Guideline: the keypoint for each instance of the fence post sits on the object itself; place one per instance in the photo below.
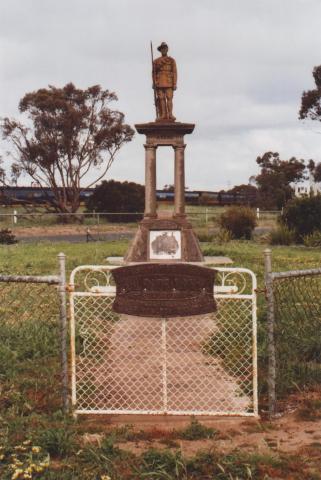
(63, 330)
(270, 332)
(14, 217)
(258, 213)
(206, 216)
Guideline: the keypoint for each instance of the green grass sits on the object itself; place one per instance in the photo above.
(41, 258)
(30, 402)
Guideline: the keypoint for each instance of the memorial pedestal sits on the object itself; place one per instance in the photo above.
(141, 249)
(171, 238)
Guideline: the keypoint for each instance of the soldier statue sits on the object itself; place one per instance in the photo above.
(164, 83)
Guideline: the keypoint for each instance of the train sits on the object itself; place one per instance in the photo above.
(33, 195)
(201, 197)
(37, 196)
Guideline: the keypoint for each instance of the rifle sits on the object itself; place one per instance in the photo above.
(153, 74)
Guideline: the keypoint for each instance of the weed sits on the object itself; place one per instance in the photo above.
(223, 236)
(282, 235)
(103, 459)
(196, 431)
(162, 465)
(8, 360)
(313, 239)
(310, 411)
(58, 441)
(205, 237)
(225, 467)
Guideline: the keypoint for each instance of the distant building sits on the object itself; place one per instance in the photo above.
(306, 188)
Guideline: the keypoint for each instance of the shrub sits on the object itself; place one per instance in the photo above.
(303, 215)
(313, 239)
(118, 197)
(282, 236)
(7, 237)
(239, 221)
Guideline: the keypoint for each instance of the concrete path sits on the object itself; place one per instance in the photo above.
(134, 370)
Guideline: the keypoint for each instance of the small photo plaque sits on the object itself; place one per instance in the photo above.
(165, 245)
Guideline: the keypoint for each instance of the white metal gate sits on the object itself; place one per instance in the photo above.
(198, 365)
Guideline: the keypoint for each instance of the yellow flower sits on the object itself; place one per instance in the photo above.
(17, 474)
(2, 456)
(20, 448)
(35, 449)
(26, 442)
(105, 477)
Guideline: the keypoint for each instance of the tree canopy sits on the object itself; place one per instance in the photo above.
(274, 180)
(118, 197)
(68, 133)
(311, 99)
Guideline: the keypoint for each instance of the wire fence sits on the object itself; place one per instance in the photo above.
(34, 322)
(33, 326)
(294, 330)
(199, 217)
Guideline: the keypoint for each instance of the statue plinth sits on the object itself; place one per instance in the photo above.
(163, 127)
(157, 238)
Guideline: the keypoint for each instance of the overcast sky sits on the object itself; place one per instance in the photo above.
(242, 67)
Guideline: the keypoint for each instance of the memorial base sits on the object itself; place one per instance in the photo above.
(140, 249)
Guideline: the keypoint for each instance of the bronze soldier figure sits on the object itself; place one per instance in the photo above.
(164, 83)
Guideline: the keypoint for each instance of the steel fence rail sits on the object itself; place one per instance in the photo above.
(296, 273)
(49, 279)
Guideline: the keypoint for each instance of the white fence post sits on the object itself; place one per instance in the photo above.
(14, 217)
(258, 213)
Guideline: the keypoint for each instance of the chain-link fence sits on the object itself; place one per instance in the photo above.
(204, 364)
(33, 321)
(294, 324)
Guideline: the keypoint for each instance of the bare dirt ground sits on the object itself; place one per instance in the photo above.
(287, 434)
(295, 431)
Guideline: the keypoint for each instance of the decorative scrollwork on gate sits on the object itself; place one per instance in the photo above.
(233, 282)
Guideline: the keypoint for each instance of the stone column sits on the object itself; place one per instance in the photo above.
(179, 182)
(150, 181)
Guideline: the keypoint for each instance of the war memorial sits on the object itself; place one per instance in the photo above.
(159, 324)
(172, 237)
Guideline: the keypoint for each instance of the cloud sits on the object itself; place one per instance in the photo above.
(242, 69)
